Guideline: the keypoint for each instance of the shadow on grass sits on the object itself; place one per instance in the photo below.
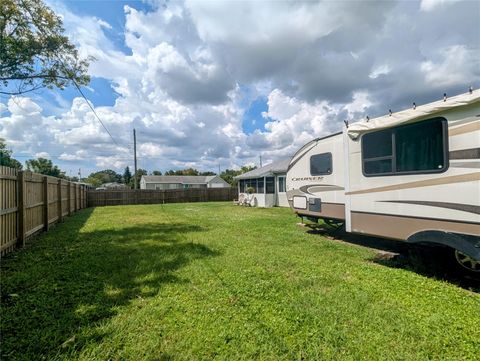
(55, 292)
(433, 262)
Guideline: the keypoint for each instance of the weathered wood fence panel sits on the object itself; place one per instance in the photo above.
(30, 203)
(149, 196)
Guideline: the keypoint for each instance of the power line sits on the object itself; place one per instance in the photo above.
(93, 110)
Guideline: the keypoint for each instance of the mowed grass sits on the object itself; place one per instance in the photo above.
(213, 281)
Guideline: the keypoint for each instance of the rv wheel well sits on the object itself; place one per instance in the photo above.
(467, 244)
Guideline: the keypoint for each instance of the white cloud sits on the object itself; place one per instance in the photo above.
(42, 155)
(191, 69)
(456, 65)
(361, 102)
(380, 70)
(429, 5)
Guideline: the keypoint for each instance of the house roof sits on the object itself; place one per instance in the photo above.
(279, 166)
(180, 179)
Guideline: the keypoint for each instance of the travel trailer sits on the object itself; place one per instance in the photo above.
(412, 176)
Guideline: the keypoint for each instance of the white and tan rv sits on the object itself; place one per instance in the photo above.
(412, 176)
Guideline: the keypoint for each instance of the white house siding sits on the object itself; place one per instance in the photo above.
(216, 185)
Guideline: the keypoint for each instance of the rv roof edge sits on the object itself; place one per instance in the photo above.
(316, 140)
(409, 115)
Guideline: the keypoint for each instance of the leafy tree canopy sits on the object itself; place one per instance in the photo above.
(44, 166)
(188, 171)
(156, 172)
(34, 52)
(6, 157)
(104, 176)
(228, 174)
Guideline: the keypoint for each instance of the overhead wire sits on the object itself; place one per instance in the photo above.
(93, 110)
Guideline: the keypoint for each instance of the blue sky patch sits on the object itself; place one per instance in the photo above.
(252, 117)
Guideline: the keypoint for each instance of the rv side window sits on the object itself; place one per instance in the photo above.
(270, 185)
(321, 164)
(412, 148)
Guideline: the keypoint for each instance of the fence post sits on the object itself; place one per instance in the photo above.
(21, 208)
(59, 205)
(45, 203)
(69, 198)
(75, 197)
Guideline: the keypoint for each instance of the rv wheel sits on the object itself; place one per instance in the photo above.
(467, 262)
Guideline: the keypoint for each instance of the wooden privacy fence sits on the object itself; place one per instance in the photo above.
(30, 203)
(150, 196)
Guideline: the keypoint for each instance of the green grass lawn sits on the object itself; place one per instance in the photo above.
(213, 281)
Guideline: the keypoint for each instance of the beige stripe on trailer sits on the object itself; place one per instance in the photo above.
(470, 177)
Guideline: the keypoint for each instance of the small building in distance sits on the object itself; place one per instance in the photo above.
(113, 186)
(267, 183)
(162, 182)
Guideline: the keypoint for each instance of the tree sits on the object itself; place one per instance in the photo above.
(139, 174)
(44, 166)
(127, 175)
(207, 173)
(156, 172)
(104, 176)
(187, 171)
(6, 157)
(228, 174)
(34, 52)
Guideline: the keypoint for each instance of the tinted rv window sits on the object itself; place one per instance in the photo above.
(420, 147)
(321, 164)
(412, 148)
(270, 185)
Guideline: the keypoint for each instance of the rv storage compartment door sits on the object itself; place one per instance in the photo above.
(300, 202)
(315, 205)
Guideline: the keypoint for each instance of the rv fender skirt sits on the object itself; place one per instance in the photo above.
(467, 244)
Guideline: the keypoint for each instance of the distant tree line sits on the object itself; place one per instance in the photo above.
(96, 179)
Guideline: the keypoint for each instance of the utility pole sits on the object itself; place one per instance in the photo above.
(218, 168)
(260, 161)
(135, 158)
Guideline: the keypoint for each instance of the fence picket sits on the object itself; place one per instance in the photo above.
(29, 203)
(151, 196)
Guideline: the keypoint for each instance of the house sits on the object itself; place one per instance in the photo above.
(268, 185)
(182, 182)
(113, 185)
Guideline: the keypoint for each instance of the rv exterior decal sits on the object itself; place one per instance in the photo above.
(467, 128)
(320, 188)
(473, 153)
(299, 179)
(401, 227)
(465, 164)
(471, 177)
(456, 206)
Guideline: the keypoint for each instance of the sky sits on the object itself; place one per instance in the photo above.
(221, 83)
